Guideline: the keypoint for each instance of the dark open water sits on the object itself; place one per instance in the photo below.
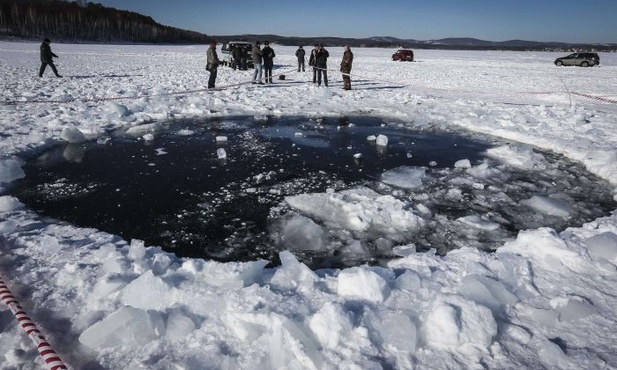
(175, 192)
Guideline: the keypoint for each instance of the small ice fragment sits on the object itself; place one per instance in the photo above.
(103, 140)
(72, 135)
(221, 153)
(549, 206)
(137, 243)
(463, 163)
(221, 139)
(382, 140)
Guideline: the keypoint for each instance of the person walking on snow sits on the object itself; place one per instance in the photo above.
(300, 53)
(321, 59)
(212, 60)
(268, 56)
(47, 58)
(256, 55)
(346, 67)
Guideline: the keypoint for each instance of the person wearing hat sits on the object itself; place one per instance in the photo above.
(212, 60)
(257, 55)
(268, 59)
(47, 58)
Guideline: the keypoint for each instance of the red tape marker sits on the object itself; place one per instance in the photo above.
(51, 359)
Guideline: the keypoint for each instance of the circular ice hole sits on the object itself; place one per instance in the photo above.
(321, 188)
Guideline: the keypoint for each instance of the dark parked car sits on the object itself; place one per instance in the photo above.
(403, 55)
(579, 59)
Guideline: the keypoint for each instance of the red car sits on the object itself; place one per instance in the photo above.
(403, 55)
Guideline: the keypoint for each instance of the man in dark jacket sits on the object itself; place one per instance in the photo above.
(244, 55)
(346, 67)
(47, 58)
(268, 56)
(312, 62)
(321, 59)
(300, 53)
(236, 57)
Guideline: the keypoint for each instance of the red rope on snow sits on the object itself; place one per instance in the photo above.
(50, 357)
(514, 93)
(186, 92)
(600, 98)
(110, 98)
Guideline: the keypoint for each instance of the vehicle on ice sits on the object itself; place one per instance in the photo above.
(403, 55)
(579, 59)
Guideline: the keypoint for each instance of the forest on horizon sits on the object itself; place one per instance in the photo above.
(86, 21)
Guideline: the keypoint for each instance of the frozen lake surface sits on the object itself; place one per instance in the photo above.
(543, 299)
(228, 189)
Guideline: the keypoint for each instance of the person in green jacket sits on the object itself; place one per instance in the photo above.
(47, 58)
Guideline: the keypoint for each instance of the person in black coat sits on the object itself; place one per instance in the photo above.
(300, 53)
(244, 54)
(236, 57)
(321, 59)
(47, 58)
(312, 62)
(268, 56)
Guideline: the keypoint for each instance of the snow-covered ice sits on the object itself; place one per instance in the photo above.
(545, 299)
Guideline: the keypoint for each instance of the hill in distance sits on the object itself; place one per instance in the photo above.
(446, 43)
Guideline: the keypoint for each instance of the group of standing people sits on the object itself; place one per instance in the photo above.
(319, 61)
(238, 58)
(263, 61)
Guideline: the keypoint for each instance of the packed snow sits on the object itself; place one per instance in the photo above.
(545, 299)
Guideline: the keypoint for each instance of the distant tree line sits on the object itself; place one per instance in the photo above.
(443, 44)
(311, 41)
(86, 21)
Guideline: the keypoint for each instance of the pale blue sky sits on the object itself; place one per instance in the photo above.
(587, 21)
